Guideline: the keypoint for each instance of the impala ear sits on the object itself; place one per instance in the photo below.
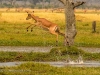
(27, 11)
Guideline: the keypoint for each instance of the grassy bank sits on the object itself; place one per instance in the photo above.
(41, 69)
(56, 54)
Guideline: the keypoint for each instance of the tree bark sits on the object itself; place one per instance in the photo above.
(71, 24)
(70, 20)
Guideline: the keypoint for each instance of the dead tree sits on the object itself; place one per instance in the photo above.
(94, 26)
(70, 20)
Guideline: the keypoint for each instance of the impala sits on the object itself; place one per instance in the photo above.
(8, 9)
(19, 9)
(44, 23)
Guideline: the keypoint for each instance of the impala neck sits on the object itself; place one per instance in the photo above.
(34, 17)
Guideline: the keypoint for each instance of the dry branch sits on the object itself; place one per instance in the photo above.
(77, 4)
(63, 1)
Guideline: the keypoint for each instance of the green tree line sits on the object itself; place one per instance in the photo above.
(44, 3)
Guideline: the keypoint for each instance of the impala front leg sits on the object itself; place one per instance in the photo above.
(29, 27)
(32, 28)
(35, 24)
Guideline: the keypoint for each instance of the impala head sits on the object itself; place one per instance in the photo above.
(29, 15)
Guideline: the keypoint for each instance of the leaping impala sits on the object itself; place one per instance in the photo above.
(44, 23)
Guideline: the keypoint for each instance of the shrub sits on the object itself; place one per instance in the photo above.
(66, 50)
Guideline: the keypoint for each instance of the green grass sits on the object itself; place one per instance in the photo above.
(41, 69)
(56, 54)
(13, 31)
(17, 35)
(85, 37)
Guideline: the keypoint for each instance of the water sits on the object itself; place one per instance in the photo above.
(40, 49)
(56, 64)
(69, 62)
(10, 64)
(80, 60)
(80, 63)
(85, 64)
(25, 49)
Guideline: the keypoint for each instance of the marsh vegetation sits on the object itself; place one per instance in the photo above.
(13, 33)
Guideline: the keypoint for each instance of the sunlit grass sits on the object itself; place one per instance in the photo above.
(91, 17)
(13, 29)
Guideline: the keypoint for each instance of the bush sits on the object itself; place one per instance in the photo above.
(74, 50)
(66, 50)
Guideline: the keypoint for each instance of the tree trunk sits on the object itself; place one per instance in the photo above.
(70, 20)
(94, 26)
(70, 23)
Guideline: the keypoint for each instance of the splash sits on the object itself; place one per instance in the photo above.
(78, 61)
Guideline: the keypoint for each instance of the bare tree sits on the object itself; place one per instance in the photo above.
(70, 20)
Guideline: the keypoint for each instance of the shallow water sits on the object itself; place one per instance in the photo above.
(55, 64)
(90, 49)
(40, 49)
(47, 49)
(24, 49)
(10, 64)
(64, 64)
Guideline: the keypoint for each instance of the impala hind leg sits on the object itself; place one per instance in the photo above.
(53, 32)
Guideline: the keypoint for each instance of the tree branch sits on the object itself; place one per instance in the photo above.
(62, 1)
(77, 4)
